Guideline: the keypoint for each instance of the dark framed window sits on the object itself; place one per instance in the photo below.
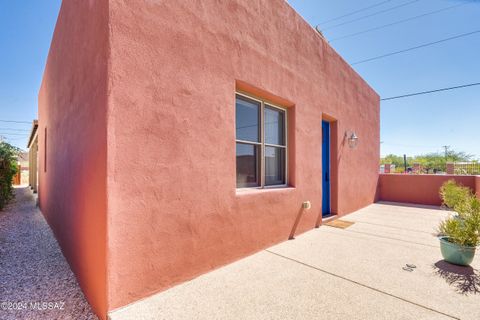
(261, 143)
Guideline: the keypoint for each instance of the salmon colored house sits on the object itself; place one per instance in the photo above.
(178, 136)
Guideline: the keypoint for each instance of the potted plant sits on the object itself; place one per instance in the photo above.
(459, 235)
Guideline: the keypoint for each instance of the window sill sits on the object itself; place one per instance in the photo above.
(248, 191)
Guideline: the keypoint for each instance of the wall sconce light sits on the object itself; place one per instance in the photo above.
(352, 139)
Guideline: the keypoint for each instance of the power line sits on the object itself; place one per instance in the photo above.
(432, 91)
(13, 139)
(354, 12)
(416, 47)
(15, 134)
(369, 15)
(409, 145)
(397, 22)
(13, 121)
(14, 129)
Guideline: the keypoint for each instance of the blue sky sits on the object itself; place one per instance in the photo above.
(424, 123)
(26, 29)
(413, 125)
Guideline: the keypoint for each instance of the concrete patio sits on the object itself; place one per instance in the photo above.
(331, 273)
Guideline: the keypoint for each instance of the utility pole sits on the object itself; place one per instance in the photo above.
(446, 153)
(446, 156)
(405, 162)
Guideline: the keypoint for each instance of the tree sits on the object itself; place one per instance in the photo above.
(438, 160)
(453, 156)
(429, 161)
(394, 159)
(397, 161)
(8, 169)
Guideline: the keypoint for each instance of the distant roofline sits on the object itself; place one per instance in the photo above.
(33, 133)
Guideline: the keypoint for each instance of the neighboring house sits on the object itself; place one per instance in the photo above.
(33, 157)
(178, 136)
(23, 167)
(21, 176)
(387, 168)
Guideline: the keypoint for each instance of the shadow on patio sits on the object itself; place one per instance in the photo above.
(332, 273)
(466, 280)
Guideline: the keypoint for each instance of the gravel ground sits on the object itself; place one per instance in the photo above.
(35, 279)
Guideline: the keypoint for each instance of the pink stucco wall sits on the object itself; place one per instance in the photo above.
(419, 189)
(477, 185)
(72, 113)
(174, 211)
(138, 98)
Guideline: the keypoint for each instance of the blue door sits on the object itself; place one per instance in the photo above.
(325, 168)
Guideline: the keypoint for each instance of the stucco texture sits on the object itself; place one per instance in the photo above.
(174, 211)
(477, 185)
(139, 101)
(72, 156)
(419, 189)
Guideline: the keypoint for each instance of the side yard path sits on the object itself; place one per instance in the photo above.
(35, 279)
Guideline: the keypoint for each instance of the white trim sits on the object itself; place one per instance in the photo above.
(248, 142)
(273, 145)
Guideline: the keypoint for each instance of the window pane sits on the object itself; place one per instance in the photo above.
(247, 165)
(247, 119)
(274, 166)
(274, 126)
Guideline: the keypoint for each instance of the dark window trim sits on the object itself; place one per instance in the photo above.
(261, 169)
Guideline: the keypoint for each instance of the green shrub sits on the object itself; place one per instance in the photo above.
(463, 229)
(8, 169)
(453, 194)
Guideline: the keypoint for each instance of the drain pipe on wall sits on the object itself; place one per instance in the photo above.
(306, 205)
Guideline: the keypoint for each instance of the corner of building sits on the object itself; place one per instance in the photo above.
(72, 138)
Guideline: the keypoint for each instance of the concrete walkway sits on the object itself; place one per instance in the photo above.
(35, 280)
(329, 273)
